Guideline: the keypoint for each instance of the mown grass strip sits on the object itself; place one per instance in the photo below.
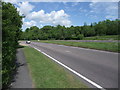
(106, 37)
(48, 74)
(107, 46)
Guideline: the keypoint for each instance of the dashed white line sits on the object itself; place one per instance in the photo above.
(67, 51)
(78, 74)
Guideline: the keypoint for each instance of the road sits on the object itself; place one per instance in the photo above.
(99, 66)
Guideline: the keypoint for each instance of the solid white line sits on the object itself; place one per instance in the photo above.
(78, 74)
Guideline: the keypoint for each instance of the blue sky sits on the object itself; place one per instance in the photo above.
(65, 13)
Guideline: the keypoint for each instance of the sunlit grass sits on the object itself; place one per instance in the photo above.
(107, 46)
(106, 37)
(48, 74)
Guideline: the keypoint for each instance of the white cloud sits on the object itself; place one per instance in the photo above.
(72, 0)
(102, 0)
(62, 0)
(11, 1)
(29, 24)
(25, 8)
(38, 18)
(110, 10)
(82, 10)
(54, 17)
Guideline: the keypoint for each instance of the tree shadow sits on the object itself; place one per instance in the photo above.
(15, 73)
(20, 46)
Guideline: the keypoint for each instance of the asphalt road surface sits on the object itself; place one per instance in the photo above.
(99, 66)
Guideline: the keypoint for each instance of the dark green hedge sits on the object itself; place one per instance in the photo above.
(11, 24)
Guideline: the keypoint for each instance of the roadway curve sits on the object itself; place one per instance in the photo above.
(99, 66)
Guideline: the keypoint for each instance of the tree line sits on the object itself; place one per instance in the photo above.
(106, 27)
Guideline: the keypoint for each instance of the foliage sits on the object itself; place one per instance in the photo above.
(11, 24)
(47, 74)
(58, 32)
(80, 36)
(0, 44)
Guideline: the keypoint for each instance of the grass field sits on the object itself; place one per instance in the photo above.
(48, 74)
(107, 37)
(107, 46)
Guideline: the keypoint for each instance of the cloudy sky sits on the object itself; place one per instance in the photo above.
(65, 13)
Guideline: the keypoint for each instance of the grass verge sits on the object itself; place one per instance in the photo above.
(107, 46)
(47, 74)
(106, 37)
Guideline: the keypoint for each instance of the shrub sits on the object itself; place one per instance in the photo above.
(80, 37)
(11, 24)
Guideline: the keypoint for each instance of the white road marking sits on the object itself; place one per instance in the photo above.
(63, 45)
(67, 51)
(60, 45)
(78, 74)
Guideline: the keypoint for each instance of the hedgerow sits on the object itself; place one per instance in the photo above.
(11, 28)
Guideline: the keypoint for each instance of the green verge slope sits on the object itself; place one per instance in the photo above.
(106, 46)
(48, 74)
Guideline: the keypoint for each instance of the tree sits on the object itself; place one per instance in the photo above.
(59, 32)
(112, 27)
(11, 29)
(100, 28)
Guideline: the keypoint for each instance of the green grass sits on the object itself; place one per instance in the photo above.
(107, 46)
(48, 74)
(107, 37)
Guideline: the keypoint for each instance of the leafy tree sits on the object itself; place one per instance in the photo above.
(0, 44)
(100, 28)
(59, 32)
(112, 27)
(11, 29)
(80, 37)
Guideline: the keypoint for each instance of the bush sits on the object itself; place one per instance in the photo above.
(11, 24)
(80, 37)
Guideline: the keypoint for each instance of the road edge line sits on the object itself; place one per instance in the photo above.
(73, 71)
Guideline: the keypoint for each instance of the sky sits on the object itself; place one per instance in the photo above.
(65, 13)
